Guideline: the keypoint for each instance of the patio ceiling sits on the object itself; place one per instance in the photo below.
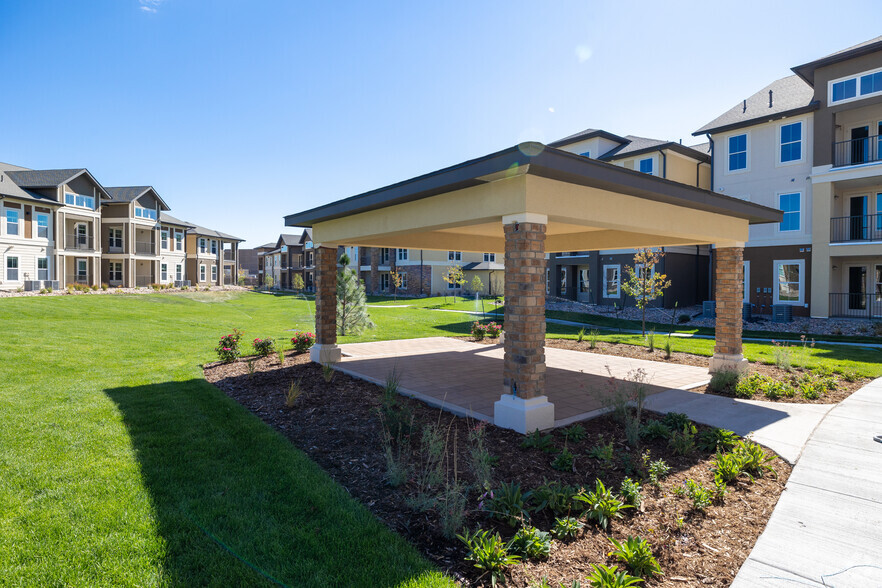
(586, 205)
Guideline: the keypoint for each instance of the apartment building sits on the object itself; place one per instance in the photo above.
(173, 250)
(808, 144)
(595, 277)
(289, 255)
(131, 255)
(212, 257)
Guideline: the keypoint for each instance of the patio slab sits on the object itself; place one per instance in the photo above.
(466, 378)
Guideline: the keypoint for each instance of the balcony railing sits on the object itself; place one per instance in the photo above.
(145, 247)
(76, 279)
(79, 242)
(228, 256)
(856, 305)
(143, 281)
(857, 151)
(867, 227)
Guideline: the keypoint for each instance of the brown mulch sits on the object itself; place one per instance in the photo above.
(843, 390)
(336, 425)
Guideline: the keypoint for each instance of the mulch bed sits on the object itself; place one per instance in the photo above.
(843, 390)
(337, 426)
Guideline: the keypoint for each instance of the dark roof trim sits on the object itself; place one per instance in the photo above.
(33, 198)
(807, 70)
(682, 149)
(810, 107)
(543, 161)
(585, 135)
(122, 194)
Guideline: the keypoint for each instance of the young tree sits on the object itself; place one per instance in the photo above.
(477, 284)
(395, 281)
(297, 282)
(454, 275)
(268, 282)
(643, 282)
(352, 315)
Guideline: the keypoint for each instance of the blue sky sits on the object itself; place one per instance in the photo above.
(239, 112)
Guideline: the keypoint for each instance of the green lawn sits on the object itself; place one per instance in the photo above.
(120, 465)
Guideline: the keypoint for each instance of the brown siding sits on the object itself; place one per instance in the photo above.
(27, 222)
(762, 260)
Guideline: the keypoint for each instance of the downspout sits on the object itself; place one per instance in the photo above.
(664, 164)
(711, 141)
(421, 273)
(711, 295)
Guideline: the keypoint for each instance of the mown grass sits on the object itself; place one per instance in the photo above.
(120, 465)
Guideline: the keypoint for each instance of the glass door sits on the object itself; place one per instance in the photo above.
(857, 287)
(857, 226)
(584, 291)
(82, 270)
(859, 144)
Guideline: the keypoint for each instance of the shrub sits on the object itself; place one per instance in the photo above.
(396, 415)
(723, 382)
(564, 460)
(94, 287)
(453, 508)
(104, 287)
(683, 442)
(592, 338)
(602, 452)
(610, 577)
(531, 543)
(630, 491)
(294, 392)
(479, 331)
(622, 396)
(701, 496)
(328, 372)
(655, 429)
(603, 506)
(228, 346)
(566, 527)
(813, 386)
(754, 459)
(263, 347)
(396, 452)
(556, 497)
(727, 467)
(669, 350)
(581, 335)
(636, 554)
(716, 439)
(575, 433)
(877, 328)
(765, 385)
(493, 329)
(488, 553)
(302, 341)
(783, 355)
(537, 440)
(480, 460)
(684, 318)
(658, 470)
(508, 504)
(850, 375)
(430, 468)
(675, 421)
(650, 341)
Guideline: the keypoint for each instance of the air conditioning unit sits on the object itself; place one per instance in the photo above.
(709, 309)
(782, 313)
(182, 283)
(746, 310)
(32, 285)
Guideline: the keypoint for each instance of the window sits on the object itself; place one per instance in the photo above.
(790, 204)
(148, 213)
(452, 285)
(586, 154)
(43, 225)
(878, 284)
(80, 200)
(789, 278)
(213, 247)
(491, 257)
(738, 152)
(214, 273)
(563, 281)
(201, 273)
(12, 269)
(179, 241)
(179, 272)
(403, 281)
(12, 221)
(791, 142)
(844, 90)
(384, 282)
(584, 284)
(163, 272)
(645, 165)
(547, 281)
(309, 259)
(81, 233)
(454, 256)
(115, 271)
(611, 281)
(163, 239)
(115, 238)
(42, 268)
(82, 270)
(402, 255)
(202, 245)
(856, 86)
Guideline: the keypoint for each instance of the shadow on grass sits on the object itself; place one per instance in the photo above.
(237, 504)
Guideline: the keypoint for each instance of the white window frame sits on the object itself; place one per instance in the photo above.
(454, 255)
(775, 285)
(163, 239)
(85, 264)
(402, 254)
(727, 170)
(639, 164)
(857, 79)
(179, 241)
(75, 198)
(45, 275)
(115, 271)
(403, 281)
(490, 257)
(385, 282)
(801, 210)
(203, 245)
(8, 269)
(638, 269)
(112, 235)
(85, 234)
(163, 272)
(6, 223)
(37, 217)
(802, 143)
(562, 284)
(214, 247)
(203, 273)
(179, 272)
(214, 274)
(618, 269)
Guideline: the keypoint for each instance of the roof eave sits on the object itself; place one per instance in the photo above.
(806, 71)
(810, 107)
(682, 149)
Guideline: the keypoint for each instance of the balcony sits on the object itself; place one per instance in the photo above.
(857, 151)
(79, 242)
(854, 229)
(856, 305)
(78, 278)
(145, 247)
(228, 256)
(143, 281)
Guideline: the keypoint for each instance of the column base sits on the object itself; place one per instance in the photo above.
(523, 415)
(724, 362)
(323, 354)
(502, 337)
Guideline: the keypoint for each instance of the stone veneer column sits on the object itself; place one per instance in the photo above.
(729, 295)
(523, 407)
(325, 349)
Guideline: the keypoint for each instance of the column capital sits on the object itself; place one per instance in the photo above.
(729, 245)
(525, 217)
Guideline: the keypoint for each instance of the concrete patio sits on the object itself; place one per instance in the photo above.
(463, 377)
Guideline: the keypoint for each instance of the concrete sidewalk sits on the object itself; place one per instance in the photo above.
(782, 427)
(826, 529)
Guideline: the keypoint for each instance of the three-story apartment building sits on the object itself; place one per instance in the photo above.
(129, 231)
(173, 250)
(212, 257)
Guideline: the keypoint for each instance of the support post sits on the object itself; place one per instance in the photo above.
(729, 294)
(523, 406)
(325, 349)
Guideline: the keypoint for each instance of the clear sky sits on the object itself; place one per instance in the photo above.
(241, 111)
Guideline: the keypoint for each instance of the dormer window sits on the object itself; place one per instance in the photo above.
(857, 86)
(79, 200)
(586, 154)
(147, 213)
(645, 166)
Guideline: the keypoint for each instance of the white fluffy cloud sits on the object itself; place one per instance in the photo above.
(583, 53)
(149, 5)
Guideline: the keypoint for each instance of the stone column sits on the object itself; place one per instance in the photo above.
(325, 349)
(729, 295)
(375, 270)
(523, 406)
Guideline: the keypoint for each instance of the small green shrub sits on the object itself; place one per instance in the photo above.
(669, 350)
(611, 577)
(479, 458)
(850, 375)
(655, 429)
(228, 347)
(716, 439)
(650, 341)
(508, 504)
(263, 347)
(295, 391)
(602, 505)
(636, 554)
(602, 452)
(531, 543)
(564, 461)
(488, 553)
(658, 471)
(566, 527)
(574, 433)
(581, 335)
(302, 341)
(783, 355)
(761, 384)
(701, 496)
(727, 466)
(593, 334)
(555, 496)
(755, 460)
(630, 491)
(683, 442)
(684, 318)
(452, 509)
(675, 421)
(536, 440)
(328, 372)
(723, 382)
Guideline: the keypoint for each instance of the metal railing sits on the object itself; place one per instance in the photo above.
(143, 281)
(228, 255)
(855, 305)
(857, 151)
(76, 279)
(79, 242)
(145, 247)
(867, 227)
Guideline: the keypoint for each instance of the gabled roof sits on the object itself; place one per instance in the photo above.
(167, 219)
(288, 239)
(806, 71)
(52, 178)
(10, 189)
(789, 96)
(587, 134)
(306, 236)
(205, 232)
(636, 145)
(131, 193)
